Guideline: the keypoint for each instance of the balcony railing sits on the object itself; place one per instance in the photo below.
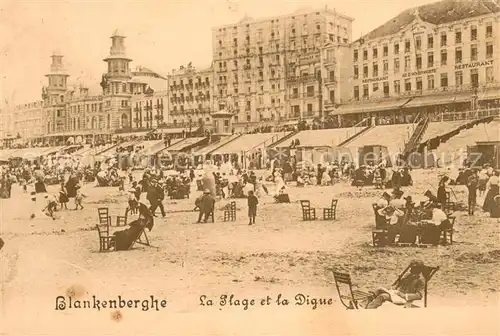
(467, 115)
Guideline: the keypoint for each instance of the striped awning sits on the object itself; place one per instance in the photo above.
(439, 100)
(379, 106)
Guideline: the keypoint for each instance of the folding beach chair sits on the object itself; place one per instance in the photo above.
(350, 298)
(428, 272)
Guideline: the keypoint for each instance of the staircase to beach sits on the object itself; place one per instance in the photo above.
(393, 137)
(218, 144)
(280, 141)
(416, 137)
(452, 150)
(356, 131)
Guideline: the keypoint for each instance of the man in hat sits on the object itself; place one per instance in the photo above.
(472, 184)
(397, 193)
(206, 205)
(431, 199)
(408, 289)
(384, 200)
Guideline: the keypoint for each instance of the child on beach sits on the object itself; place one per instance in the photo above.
(51, 205)
(79, 198)
(252, 207)
(63, 197)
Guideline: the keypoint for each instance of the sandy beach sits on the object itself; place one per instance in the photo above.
(44, 258)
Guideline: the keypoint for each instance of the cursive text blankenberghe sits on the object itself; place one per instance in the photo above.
(151, 303)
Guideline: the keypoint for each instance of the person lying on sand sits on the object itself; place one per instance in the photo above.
(408, 289)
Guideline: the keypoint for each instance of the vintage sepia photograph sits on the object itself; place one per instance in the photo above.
(237, 167)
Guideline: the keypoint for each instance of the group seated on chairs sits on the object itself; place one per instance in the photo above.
(410, 287)
(178, 187)
(124, 239)
(401, 223)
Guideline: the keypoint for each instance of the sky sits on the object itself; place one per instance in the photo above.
(161, 35)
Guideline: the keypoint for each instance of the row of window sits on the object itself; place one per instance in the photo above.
(274, 87)
(418, 43)
(146, 103)
(77, 124)
(307, 42)
(331, 25)
(190, 82)
(419, 84)
(95, 107)
(459, 58)
(275, 61)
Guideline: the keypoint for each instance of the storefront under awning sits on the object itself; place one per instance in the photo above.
(438, 100)
(370, 107)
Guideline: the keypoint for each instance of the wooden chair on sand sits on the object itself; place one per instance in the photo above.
(230, 212)
(104, 217)
(308, 213)
(106, 242)
(352, 299)
(331, 212)
(448, 232)
(122, 220)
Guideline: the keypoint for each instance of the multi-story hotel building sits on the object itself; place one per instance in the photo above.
(6, 123)
(190, 95)
(434, 58)
(28, 120)
(268, 69)
(150, 103)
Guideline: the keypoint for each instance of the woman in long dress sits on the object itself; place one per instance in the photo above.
(492, 186)
(125, 238)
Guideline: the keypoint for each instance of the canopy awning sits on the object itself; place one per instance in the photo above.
(177, 130)
(6, 154)
(439, 100)
(183, 144)
(370, 107)
(152, 147)
(32, 152)
(137, 134)
(492, 94)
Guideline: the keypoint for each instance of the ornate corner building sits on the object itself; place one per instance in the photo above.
(128, 100)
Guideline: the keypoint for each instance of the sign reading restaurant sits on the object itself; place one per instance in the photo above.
(473, 65)
(375, 79)
(419, 73)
